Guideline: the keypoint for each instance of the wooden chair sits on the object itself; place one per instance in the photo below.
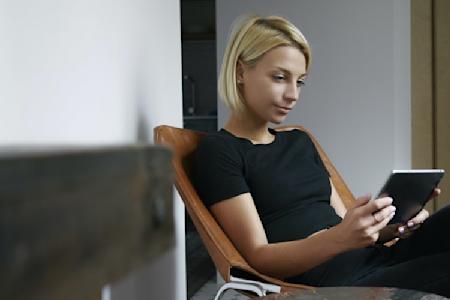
(234, 269)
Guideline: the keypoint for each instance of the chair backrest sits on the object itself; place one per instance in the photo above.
(225, 256)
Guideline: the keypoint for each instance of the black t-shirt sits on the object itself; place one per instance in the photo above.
(286, 178)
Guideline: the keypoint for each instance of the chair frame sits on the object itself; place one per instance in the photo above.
(183, 143)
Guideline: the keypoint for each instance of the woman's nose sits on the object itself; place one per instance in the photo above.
(292, 91)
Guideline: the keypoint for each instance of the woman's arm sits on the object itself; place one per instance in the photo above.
(336, 202)
(240, 220)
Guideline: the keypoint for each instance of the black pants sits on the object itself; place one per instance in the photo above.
(420, 262)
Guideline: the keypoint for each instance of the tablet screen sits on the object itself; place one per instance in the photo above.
(410, 190)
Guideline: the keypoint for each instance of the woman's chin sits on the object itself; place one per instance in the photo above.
(278, 119)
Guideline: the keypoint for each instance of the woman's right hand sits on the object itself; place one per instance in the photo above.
(362, 223)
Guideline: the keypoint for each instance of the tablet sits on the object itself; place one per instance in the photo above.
(410, 190)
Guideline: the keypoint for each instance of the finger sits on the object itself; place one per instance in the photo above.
(380, 225)
(376, 205)
(436, 192)
(414, 228)
(405, 235)
(361, 201)
(411, 227)
(419, 218)
(405, 232)
(383, 213)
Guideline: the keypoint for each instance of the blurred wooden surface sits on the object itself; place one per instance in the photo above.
(356, 293)
(74, 220)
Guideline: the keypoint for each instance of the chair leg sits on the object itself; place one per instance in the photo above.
(240, 286)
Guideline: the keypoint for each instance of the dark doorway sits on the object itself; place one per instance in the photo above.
(198, 22)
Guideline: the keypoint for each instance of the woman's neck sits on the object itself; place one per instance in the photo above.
(244, 127)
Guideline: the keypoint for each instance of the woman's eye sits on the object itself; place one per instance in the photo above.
(278, 77)
(300, 82)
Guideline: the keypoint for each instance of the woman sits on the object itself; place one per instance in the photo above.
(272, 195)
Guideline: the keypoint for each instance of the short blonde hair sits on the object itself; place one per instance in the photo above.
(251, 37)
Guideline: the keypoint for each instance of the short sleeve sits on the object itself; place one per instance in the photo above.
(218, 171)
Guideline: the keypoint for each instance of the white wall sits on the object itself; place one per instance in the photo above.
(95, 72)
(357, 97)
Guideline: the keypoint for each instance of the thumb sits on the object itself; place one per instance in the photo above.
(362, 200)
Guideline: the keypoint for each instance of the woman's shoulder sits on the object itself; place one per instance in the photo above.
(217, 154)
(220, 142)
(298, 138)
(295, 133)
(218, 139)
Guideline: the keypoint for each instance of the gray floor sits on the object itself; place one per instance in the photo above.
(209, 290)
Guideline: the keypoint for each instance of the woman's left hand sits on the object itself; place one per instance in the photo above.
(407, 229)
(404, 231)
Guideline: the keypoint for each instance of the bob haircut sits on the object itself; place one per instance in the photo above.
(252, 36)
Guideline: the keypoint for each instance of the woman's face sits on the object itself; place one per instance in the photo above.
(271, 88)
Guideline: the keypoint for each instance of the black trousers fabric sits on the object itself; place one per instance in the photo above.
(420, 262)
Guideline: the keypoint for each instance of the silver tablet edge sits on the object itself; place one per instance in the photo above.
(419, 171)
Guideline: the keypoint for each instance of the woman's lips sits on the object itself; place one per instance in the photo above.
(283, 109)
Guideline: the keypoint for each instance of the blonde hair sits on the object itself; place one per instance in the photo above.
(251, 37)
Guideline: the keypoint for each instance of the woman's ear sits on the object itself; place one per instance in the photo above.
(240, 72)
